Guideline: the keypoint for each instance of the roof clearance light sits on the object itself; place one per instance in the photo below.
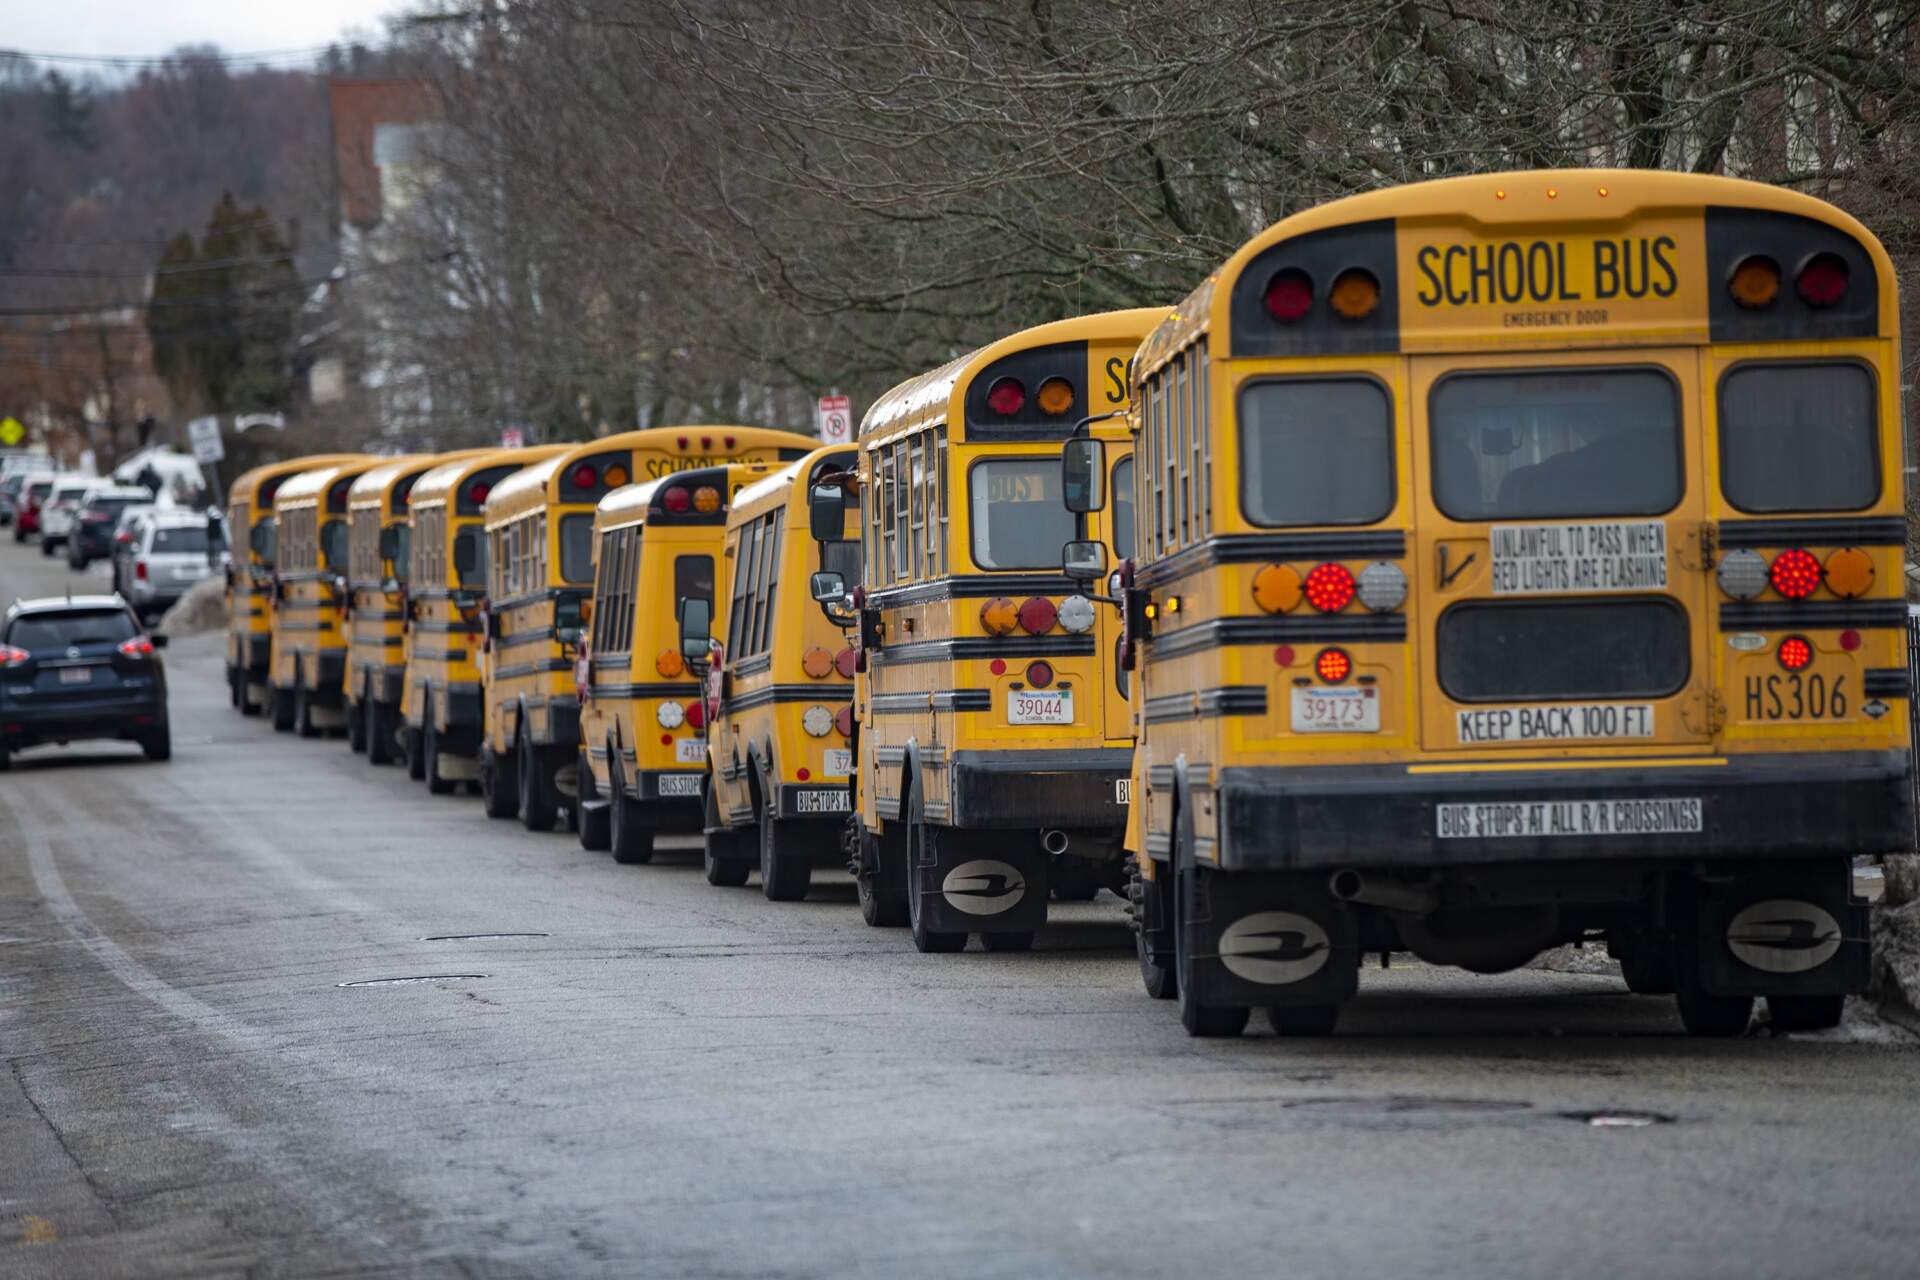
(1037, 616)
(1330, 587)
(616, 475)
(1795, 573)
(706, 499)
(1849, 572)
(1332, 665)
(1383, 586)
(1007, 396)
(1040, 674)
(584, 476)
(998, 616)
(671, 715)
(1076, 615)
(1054, 397)
(1276, 588)
(1289, 295)
(817, 721)
(1823, 281)
(676, 501)
(1755, 282)
(817, 662)
(669, 664)
(1743, 574)
(1355, 294)
(1795, 653)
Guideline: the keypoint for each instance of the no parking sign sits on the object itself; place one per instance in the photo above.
(834, 419)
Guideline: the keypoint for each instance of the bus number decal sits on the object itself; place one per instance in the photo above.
(1553, 819)
(1796, 695)
(1576, 559)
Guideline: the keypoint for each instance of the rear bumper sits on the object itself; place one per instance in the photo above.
(1753, 807)
(1073, 790)
(118, 718)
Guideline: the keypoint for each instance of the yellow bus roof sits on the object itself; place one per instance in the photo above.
(248, 483)
(1516, 197)
(777, 488)
(372, 487)
(445, 478)
(305, 489)
(534, 487)
(935, 396)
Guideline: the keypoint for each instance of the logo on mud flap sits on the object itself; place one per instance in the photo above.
(984, 887)
(1782, 935)
(1274, 947)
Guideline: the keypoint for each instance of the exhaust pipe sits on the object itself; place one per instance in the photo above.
(1054, 841)
(1375, 891)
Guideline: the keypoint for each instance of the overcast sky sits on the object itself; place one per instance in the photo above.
(137, 28)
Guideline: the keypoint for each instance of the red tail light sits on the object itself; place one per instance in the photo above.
(1037, 616)
(846, 662)
(1795, 653)
(697, 713)
(1039, 674)
(843, 721)
(584, 476)
(1332, 665)
(1330, 587)
(1007, 396)
(1795, 573)
(1823, 281)
(138, 647)
(12, 657)
(140, 570)
(477, 493)
(124, 538)
(726, 442)
(677, 500)
(1289, 295)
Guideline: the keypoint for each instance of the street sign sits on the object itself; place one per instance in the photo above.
(512, 438)
(11, 432)
(834, 418)
(204, 435)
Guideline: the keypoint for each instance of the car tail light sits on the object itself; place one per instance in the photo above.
(1054, 397)
(124, 538)
(697, 714)
(1289, 295)
(1040, 674)
(140, 570)
(12, 657)
(847, 661)
(1795, 573)
(1276, 588)
(843, 721)
(1849, 572)
(1007, 396)
(706, 499)
(584, 476)
(1355, 294)
(1330, 587)
(95, 517)
(138, 647)
(671, 715)
(669, 664)
(1037, 616)
(998, 616)
(1076, 615)
(677, 500)
(817, 721)
(1332, 665)
(1755, 282)
(1823, 281)
(817, 662)
(1742, 573)
(1795, 653)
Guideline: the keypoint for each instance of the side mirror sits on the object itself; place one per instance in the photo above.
(829, 587)
(827, 513)
(260, 541)
(463, 599)
(696, 631)
(1083, 475)
(1084, 560)
(390, 584)
(567, 635)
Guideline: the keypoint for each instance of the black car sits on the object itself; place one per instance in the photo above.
(80, 667)
(95, 521)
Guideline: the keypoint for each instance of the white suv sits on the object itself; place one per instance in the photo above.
(59, 511)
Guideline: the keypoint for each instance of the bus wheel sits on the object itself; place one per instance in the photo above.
(430, 755)
(1199, 1019)
(281, 701)
(538, 808)
(1804, 1013)
(878, 876)
(382, 723)
(357, 726)
(632, 842)
(499, 796)
(1303, 1019)
(236, 687)
(923, 844)
(723, 850)
(1007, 941)
(248, 706)
(413, 745)
(303, 706)
(591, 818)
(1152, 938)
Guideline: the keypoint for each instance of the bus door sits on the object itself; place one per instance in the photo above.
(1561, 598)
(1117, 522)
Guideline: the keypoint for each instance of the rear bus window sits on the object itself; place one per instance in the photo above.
(1019, 518)
(1799, 437)
(576, 548)
(1316, 451)
(1515, 445)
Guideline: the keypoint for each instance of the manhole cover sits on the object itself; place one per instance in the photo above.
(1617, 1119)
(395, 982)
(477, 937)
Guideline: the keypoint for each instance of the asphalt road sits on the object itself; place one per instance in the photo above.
(652, 1077)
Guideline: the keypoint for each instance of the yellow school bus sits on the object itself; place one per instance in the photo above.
(643, 752)
(994, 733)
(250, 525)
(539, 526)
(379, 555)
(1519, 562)
(446, 582)
(307, 670)
(779, 745)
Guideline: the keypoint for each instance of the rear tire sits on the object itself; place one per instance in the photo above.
(357, 726)
(877, 877)
(1200, 1020)
(1805, 1013)
(303, 706)
(430, 757)
(158, 744)
(923, 839)
(281, 700)
(539, 807)
(721, 848)
(1151, 902)
(591, 824)
(782, 878)
(632, 842)
(499, 792)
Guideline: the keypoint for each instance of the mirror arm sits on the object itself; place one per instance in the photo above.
(1084, 423)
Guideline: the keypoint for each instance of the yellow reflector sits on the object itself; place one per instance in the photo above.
(706, 499)
(668, 664)
(616, 476)
(1276, 588)
(1355, 294)
(1055, 397)
(1756, 282)
(1849, 572)
(816, 662)
(998, 616)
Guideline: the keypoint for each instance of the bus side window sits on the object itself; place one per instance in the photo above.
(938, 538)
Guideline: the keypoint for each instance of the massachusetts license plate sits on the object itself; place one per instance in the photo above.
(838, 763)
(823, 802)
(1028, 706)
(690, 751)
(76, 675)
(679, 784)
(1336, 710)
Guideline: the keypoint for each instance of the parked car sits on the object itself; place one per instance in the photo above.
(80, 667)
(33, 497)
(61, 507)
(11, 486)
(99, 514)
(166, 554)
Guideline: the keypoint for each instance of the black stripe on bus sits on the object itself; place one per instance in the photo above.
(1228, 700)
(974, 586)
(1888, 682)
(661, 690)
(1847, 531)
(887, 704)
(612, 661)
(508, 639)
(1248, 548)
(964, 647)
(531, 668)
(1783, 615)
(1387, 627)
(790, 693)
(540, 597)
(753, 666)
(436, 627)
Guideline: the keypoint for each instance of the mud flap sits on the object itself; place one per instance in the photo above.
(980, 882)
(1785, 934)
(1261, 940)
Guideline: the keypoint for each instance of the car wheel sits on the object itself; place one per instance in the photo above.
(158, 744)
(538, 808)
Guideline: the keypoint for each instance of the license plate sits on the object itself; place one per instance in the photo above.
(690, 751)
(1025, 706)
(679, 784)
(1336, 710)
(1560, 819)
(839, 763)
(1123, 790)
(76, 675)
(823, 802)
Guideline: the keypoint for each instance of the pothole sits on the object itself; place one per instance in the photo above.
(478, 937)
(1617, 1119)
(396, 982)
